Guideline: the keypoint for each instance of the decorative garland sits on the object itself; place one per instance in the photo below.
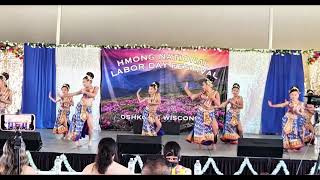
(31, 161)
(313, 56)
(135, 160)
(283, 165)
(10, 47)
(313, 169)
(214, 165)
(245, 163)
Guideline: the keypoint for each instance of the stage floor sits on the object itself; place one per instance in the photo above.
(54, 143)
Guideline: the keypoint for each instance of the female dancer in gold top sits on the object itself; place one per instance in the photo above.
(292, 121)
(205, 128)
(82, 124)
(151, 122)
(61, 124)
(5, 93)
(232, 129)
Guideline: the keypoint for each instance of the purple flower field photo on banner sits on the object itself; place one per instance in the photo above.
(124, 71)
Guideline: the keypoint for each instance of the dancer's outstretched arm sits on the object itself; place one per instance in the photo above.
(140, 100)
(72, 94)
(280, 105)
(189, 93)
(52, 99)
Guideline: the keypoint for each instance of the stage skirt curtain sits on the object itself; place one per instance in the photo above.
(227, 165)
(72, 64)
(312, 75)
(10, 63)
(250, 70)
(286, 70)
(39, 79)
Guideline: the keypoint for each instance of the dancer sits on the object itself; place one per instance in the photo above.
(292, 120)
(82, 124)
(232, 129)
(205, 128)
(151, 121)
(308, 127)
(62, 121)
(5, 93)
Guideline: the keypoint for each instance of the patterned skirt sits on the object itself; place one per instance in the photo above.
(202, 132)
(308, 135)
(79, 128)
(230, 130)
(292, 130)
(62, 122)
(149, 126)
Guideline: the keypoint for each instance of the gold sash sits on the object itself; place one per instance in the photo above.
(288, 126)
(234, 120)
(152, 117)
(63, 117)
(206, 118)
(84, 114)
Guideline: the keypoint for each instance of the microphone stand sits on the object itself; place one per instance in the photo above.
(17, 147)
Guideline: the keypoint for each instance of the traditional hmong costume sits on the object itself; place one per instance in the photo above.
(292, 128)
(62, 121)
(230, 130)
(4, 95)
(308, 135)
(79, 128)
(149, 125)
(202, 132)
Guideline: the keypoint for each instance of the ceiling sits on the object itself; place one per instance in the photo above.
(295, 27)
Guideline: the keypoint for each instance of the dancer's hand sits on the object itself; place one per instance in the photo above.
(83, 91)
(186, 86)
(50, 95)
(270, 104)
(138, 91)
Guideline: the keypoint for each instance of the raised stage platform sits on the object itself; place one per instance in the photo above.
(225, 155)
(53, 143)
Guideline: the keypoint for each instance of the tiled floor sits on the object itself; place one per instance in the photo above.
(53, 143)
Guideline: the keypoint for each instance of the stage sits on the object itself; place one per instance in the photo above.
(53, 143)
(225, 155)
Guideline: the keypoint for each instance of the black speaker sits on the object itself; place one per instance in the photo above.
(137, 144)
(169, 128)
(251, 147)
(31, 139)
(137, 127)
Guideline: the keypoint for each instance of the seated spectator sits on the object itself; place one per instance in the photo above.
(171, 152)
(105, 162)
(156, 167)
(7, 166)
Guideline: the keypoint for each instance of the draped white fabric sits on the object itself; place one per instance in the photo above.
(250, 70)
(72, 64)
(14, 67)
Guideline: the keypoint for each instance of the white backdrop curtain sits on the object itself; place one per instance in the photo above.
(72, 64)
(14, 66)
(250, 70)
